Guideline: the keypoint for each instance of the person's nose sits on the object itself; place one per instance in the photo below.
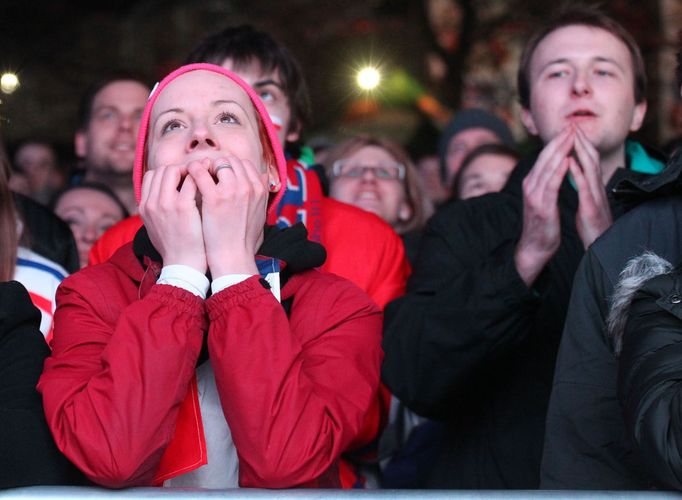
(90, 234)
(126, 122)
(581, 84)
(201, 138)
(368, 174)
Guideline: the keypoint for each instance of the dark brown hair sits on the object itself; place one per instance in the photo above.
(8, 222)
(246, 45)
(586, 15)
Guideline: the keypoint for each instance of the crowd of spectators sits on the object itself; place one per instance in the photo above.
(201, 304)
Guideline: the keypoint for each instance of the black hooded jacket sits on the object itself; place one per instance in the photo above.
(587, 445)
(649, 375)
(471, 345)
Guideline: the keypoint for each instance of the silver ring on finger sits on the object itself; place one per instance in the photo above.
(221, 166)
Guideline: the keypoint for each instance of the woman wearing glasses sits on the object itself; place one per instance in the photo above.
(376, 175)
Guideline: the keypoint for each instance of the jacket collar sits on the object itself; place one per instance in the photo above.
(289, 245)
(643, 187)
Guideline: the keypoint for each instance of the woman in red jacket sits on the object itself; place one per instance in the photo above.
(262, 381)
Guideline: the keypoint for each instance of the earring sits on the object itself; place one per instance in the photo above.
(404, 213)
(273, 185)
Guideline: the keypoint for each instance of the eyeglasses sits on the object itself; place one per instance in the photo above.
(354, 170)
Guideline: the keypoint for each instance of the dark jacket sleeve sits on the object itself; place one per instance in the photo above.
(28, 455)
(466, 306)
(650, 377)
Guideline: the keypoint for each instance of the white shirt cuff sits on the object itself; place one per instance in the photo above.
(223, 282)
(185, 277)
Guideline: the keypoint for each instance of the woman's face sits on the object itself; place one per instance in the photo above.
(487, 173)
(202, 115)
(356, 182)
(89, 213)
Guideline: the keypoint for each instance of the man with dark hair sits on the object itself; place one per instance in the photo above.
(282, 83)
(109, 117)
(586, 16)
(273, 71)
(587, 443)
(473, 343)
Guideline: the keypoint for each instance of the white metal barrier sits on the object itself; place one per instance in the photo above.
(74, 492)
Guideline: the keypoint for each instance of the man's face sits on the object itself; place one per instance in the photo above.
(37, 162)
(583, 75)
(108, 143)
(462, 144)
(269, 88)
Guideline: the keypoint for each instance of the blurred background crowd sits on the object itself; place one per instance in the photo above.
(433, 56)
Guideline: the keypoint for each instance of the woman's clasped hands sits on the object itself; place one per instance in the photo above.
(208, 214)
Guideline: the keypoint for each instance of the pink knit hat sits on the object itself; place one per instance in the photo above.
(140, 159)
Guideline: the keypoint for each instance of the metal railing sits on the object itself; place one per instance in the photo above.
(76, 492)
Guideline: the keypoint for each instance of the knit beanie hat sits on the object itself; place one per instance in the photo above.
(471, 118)
(140, 165)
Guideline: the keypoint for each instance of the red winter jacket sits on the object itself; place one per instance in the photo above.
(294, 390)
(360, 247)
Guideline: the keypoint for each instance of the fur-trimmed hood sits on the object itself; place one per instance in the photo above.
(638, 271)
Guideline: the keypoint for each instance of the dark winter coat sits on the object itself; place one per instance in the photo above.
(28, 455)
(587, 445)
(471, 345)
(649, 374)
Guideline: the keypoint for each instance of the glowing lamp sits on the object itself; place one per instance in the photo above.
(9, 82)
(368, 78)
